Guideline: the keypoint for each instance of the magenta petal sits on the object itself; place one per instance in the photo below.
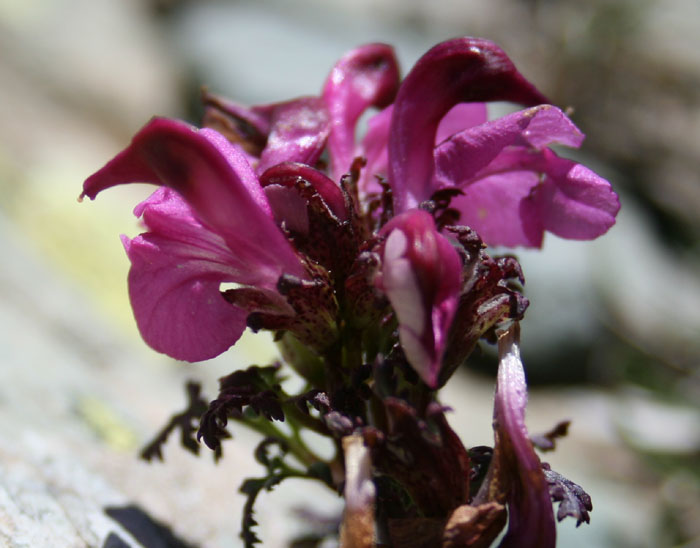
(463, 70)
(573, 202)
(289, 208)
(289, 173)
(460, 117)
(374, 149)
(492, 207)
(299, 132)
(530, 514)
(374, 144)
(215, 179)
(496, 163)
(460, 158)
(421, 275)
(364, 77)
(176, 270)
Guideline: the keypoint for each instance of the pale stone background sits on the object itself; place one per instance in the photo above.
(80, 393)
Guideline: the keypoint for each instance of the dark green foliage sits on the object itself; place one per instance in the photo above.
(256, 388)
(186, 422)
(276, 472)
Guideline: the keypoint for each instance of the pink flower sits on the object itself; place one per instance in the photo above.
(207, 232)
(366, 258)
(252, 204)
(421, 276)
(435, 136)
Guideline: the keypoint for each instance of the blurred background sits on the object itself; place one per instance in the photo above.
(611, 340)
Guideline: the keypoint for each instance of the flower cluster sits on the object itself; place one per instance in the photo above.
(367, 259)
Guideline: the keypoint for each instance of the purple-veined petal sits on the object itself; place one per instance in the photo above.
(364, 77)
(530, 514)
(420, 274)
(298, 133)
(215, 179)
(462, 70)
(288, 173)
(176, 270)
(492, 207)
(572, 201)
(460, 117)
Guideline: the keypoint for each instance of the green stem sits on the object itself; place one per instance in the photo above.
(352, 343)
(295, 444)
(298, 419)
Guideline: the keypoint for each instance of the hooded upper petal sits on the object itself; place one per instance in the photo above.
(374, 145)
(421, 274)
(217, 182)
(176, 270)
(299, 130)
(287, 174)
(364, 77)
(462, 70)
